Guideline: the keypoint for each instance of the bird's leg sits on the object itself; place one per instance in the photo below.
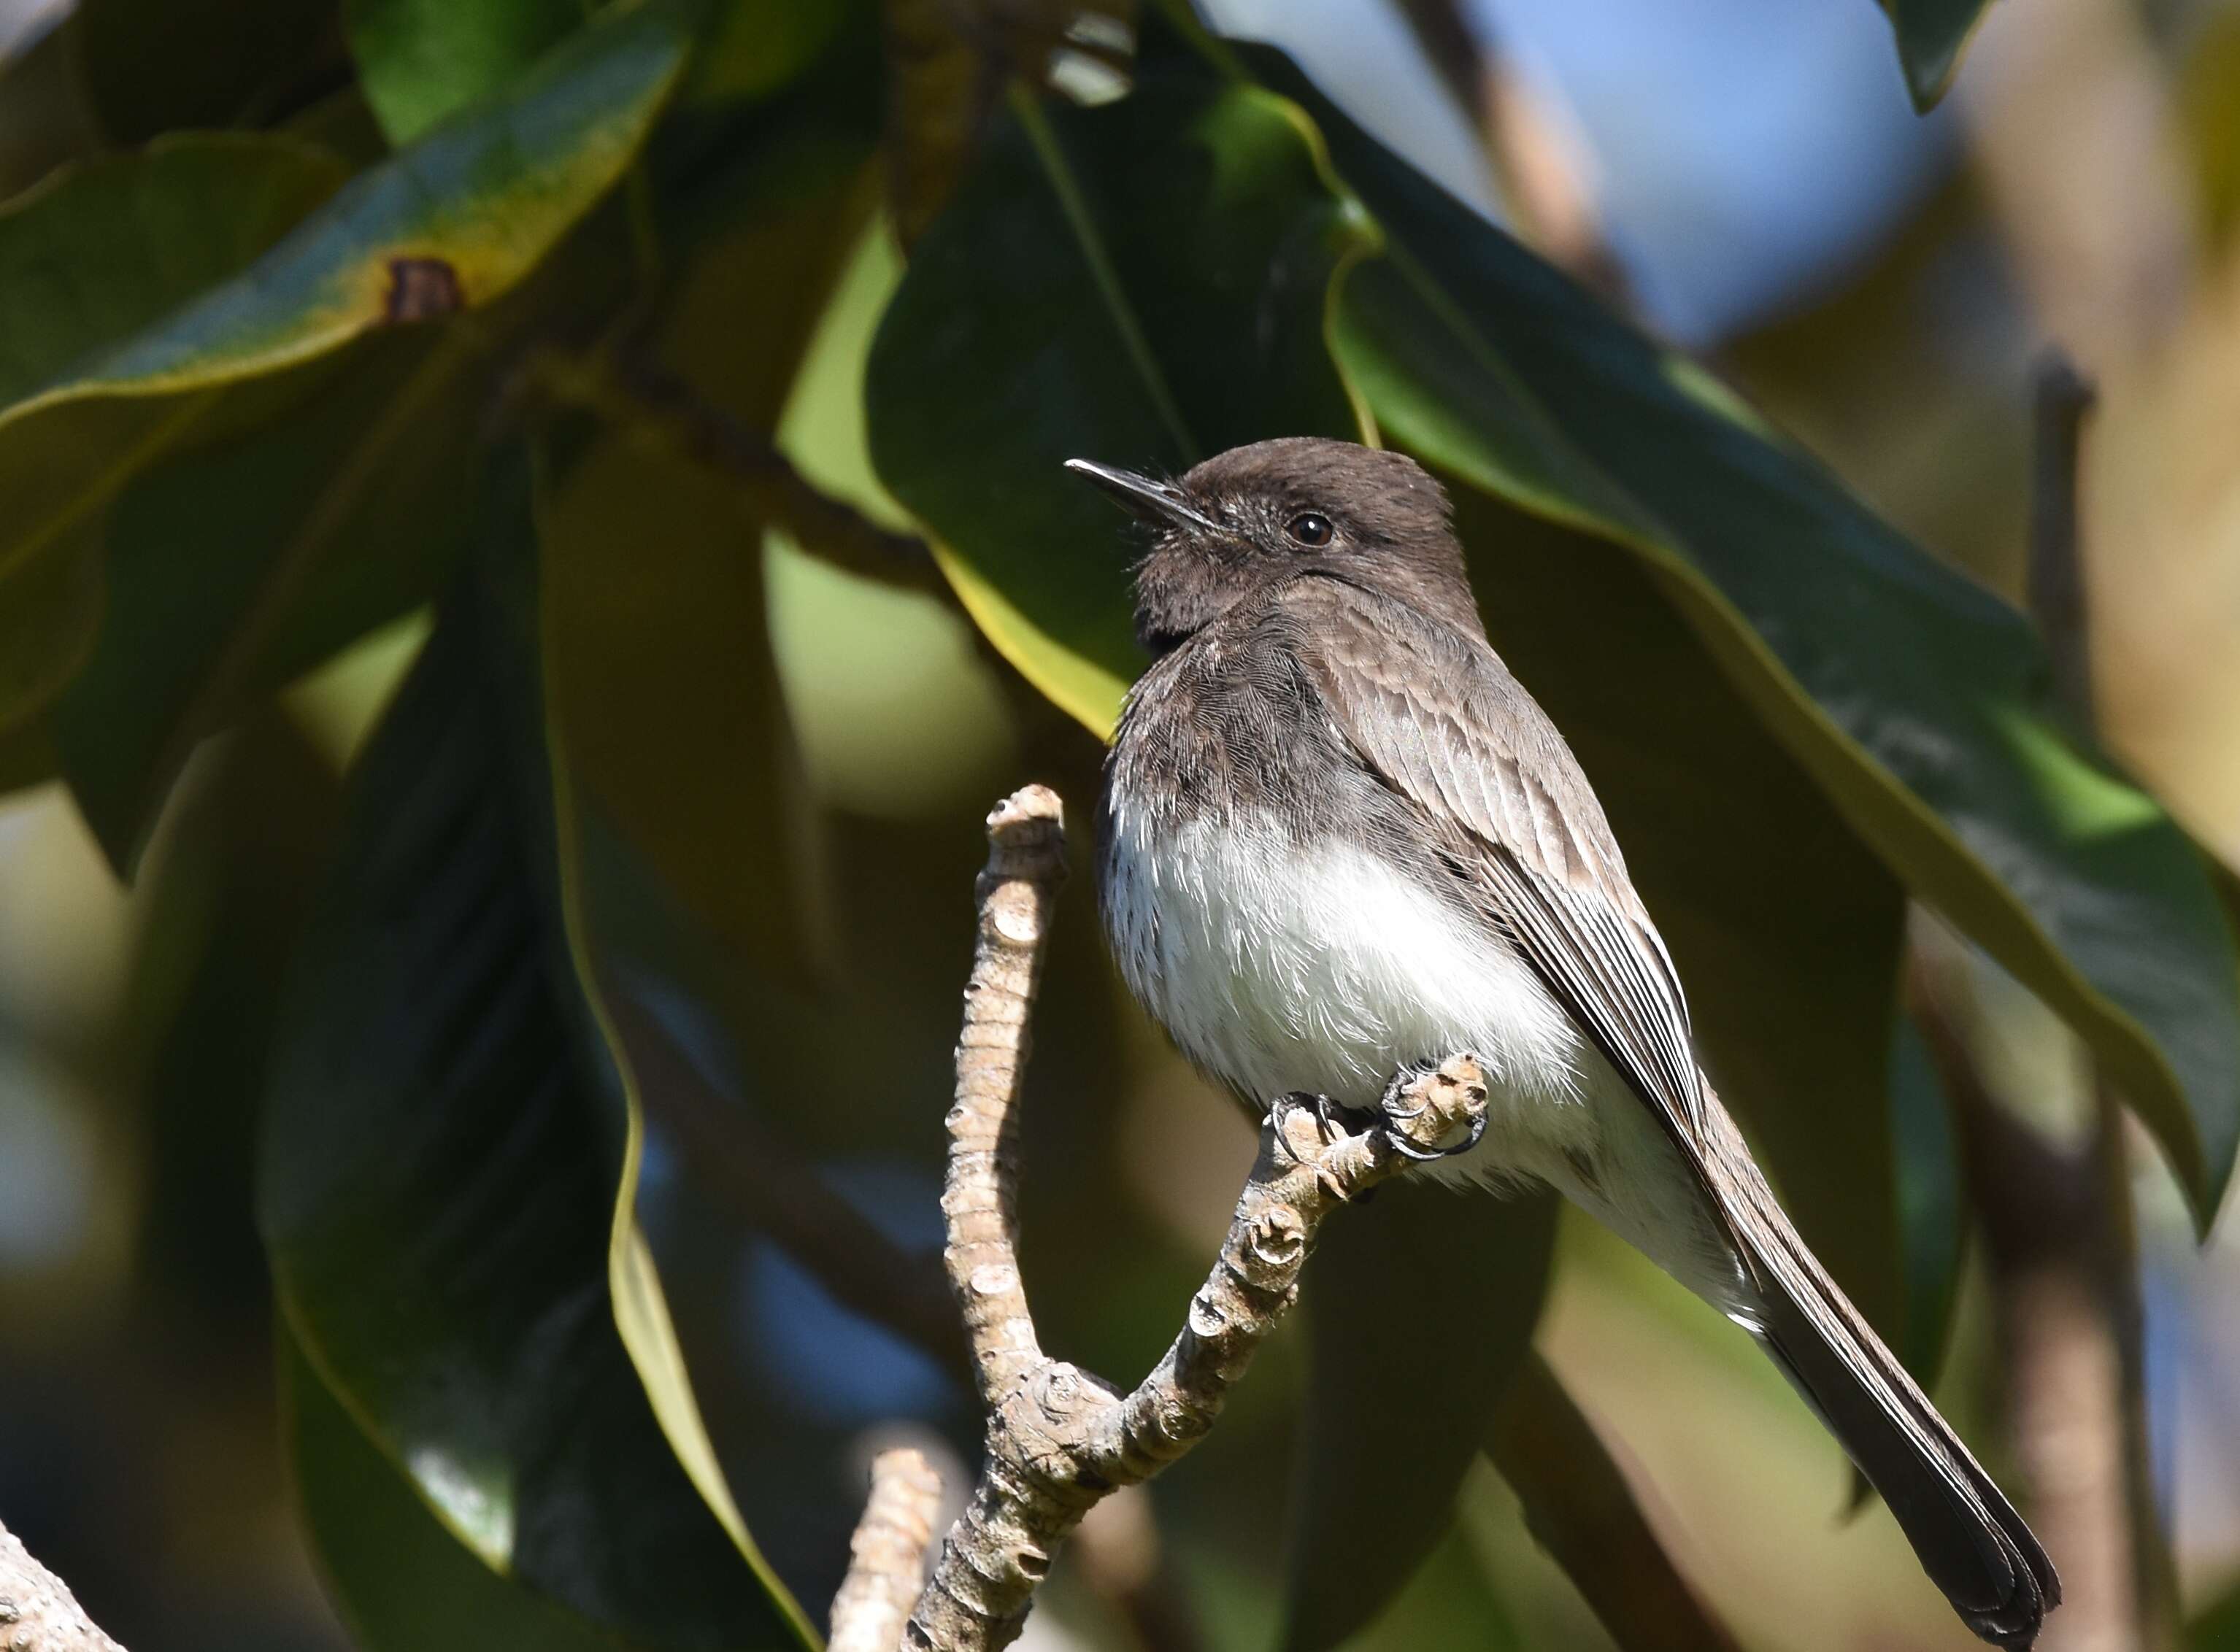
(1396, 1111)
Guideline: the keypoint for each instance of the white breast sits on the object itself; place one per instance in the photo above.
(1320, 969)
(1323, 969)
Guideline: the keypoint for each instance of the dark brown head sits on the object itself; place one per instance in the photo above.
(1271, 509)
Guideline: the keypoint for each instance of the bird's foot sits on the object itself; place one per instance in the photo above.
(1399, 1110)
(1337, 1119)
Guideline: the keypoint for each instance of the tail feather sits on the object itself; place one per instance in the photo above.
(1969, 1539)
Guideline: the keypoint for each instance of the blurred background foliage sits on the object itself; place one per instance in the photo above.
(530, 532)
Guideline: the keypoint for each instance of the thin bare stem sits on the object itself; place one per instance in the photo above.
(641, 401)
(1575, 1506)
(37, 1608)
(2056, 1215)
(886, 1566)
(2061, 398)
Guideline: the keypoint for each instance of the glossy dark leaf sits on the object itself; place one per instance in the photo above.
(1915, 698)
(661, 661)
(1084, 296)
(104, 368)
(1419, 1309)
(1932, 35)
(49, 613)
(397, 1576)
(663, 684)
(28, 756)
(233, 566)
(422, 60)
(236, 564)
(449, 1165)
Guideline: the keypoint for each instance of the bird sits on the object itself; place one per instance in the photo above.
(1338, 841)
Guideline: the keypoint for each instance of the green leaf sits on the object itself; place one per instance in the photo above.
(152, 66)
(450, 1160)
(27, 757)
(397, 1575)
(1932, 35)
(663, 657)
(421, 61)
(234, 567)
(1581, 1511)
(50, 614)
(452, 221)
(663, 682)
(1414, 1331)
(1143, 283)
(236, 564)
(108, 248)
(1915, 698)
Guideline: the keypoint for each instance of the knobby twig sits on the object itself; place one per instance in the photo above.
(1060, 1440)
(37, 1612)
(641, 400)
(886, 1566)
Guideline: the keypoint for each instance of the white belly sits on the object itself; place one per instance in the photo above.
(1326, 971)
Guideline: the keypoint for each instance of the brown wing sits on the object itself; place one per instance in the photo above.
(1436, 716)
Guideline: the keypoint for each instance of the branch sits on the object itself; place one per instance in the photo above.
(2061, 396)
(641, 400)
(1059, 1440)
(886, 1565)
(37, 1611)
(1577, 1508)
(729, 1151)
(2056, 1215)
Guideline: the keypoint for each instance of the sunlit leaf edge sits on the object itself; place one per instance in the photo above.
(641, 1312)
(637, 53)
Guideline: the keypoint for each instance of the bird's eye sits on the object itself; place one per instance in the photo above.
(1310, 527)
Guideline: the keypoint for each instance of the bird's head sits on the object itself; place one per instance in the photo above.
(1271, 509)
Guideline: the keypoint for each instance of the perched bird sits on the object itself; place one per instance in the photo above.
(1338, 841)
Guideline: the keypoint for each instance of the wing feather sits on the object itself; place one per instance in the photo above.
(1447, 727)
(1442, 723)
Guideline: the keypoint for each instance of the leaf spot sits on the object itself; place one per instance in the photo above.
(421, 289)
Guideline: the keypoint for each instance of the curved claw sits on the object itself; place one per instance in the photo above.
(1337, 1119)
(1394, 1116)
(1407, 1150)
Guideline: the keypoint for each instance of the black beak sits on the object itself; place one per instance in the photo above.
(1160, 503)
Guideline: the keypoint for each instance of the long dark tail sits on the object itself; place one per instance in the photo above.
(1969, 1539)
